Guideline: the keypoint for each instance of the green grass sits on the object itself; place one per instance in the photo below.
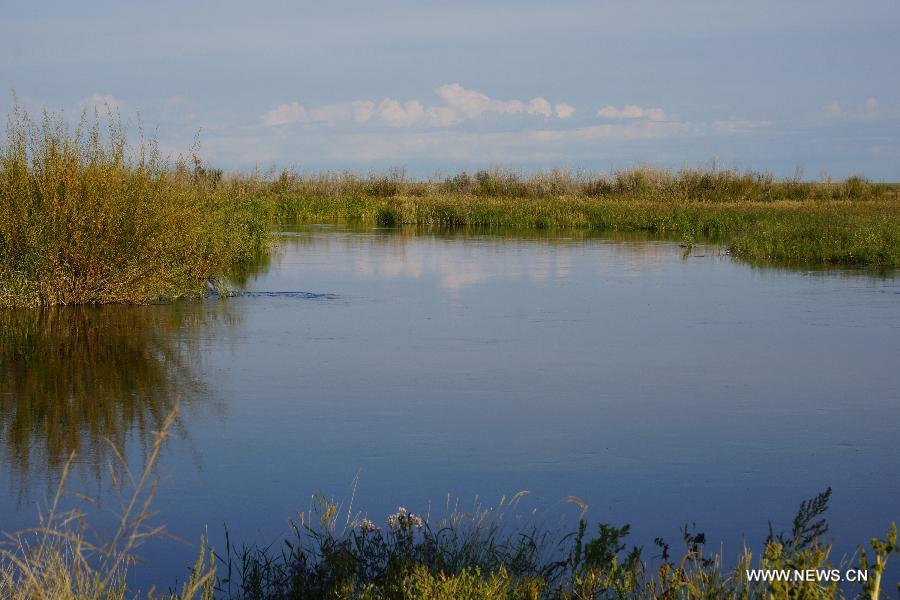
(85, 218)
(853, 222)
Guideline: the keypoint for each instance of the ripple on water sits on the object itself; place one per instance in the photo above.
(301, 295)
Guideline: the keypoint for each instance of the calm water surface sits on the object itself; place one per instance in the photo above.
(660, 389)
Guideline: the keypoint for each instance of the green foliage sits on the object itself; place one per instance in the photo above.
(471, 584)
(598, 568)
(882, 550)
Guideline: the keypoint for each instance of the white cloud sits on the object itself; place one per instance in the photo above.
(631, 111)
(737, 125)
(871, 109)
(329, 113)
(442, 116)
(459, 105)
(363, 111)
(103, 104)
(471, 103)
(563, 110)
(395, 114)
(392, 113)
(285, 114)
(640, 130)
(540, 107)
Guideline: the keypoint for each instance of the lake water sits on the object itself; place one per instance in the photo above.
(659, 388)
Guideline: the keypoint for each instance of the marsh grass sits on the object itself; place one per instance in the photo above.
(758, 217)
(86, 217)
(63, 559)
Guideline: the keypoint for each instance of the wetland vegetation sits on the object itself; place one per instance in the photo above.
(756, 216)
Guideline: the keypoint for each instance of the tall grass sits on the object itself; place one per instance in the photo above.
(86, 217)
(758, 217)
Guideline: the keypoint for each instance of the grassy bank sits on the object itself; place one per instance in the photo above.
(759, 218)
(87, 218)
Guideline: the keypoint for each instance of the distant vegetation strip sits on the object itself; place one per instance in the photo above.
(86, 217)
(759, 218)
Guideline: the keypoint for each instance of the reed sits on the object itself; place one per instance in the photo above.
(86, 217)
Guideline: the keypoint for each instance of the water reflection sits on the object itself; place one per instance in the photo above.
(78, 379)
(456, 258)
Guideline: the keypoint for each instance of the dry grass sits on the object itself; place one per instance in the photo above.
(59, 560)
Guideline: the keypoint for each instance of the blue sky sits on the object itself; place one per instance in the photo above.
(436, 86)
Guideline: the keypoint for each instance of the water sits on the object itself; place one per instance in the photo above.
(661, 389)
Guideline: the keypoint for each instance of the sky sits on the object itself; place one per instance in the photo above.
(800, 86)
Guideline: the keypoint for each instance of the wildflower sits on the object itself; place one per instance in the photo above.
(367, 526)
(403, 519)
